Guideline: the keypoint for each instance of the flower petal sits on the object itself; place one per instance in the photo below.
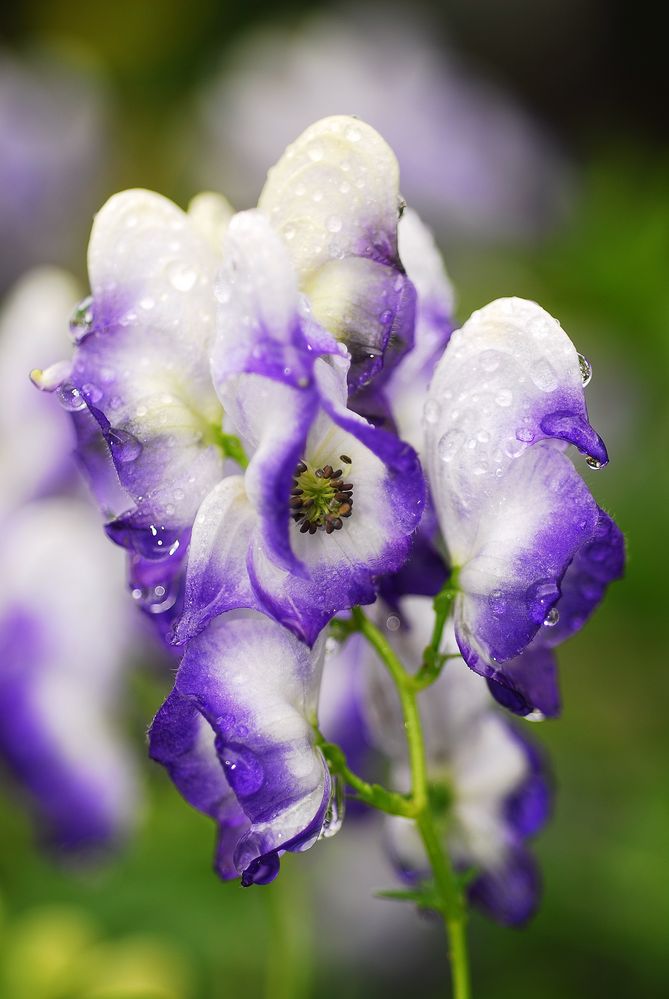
(509, 894)
(216, 578)
(334, 198)
(525, 532)
(508, 378)
(257, 686)
(141, 365)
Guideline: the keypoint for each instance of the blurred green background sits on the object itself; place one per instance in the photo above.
(155, 921)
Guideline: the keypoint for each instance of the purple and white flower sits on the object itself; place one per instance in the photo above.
(486, 778)
(328, 502)
(64, 649)
(519, 523)
(237, 736)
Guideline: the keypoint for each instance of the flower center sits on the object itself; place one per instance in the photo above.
(320, 499)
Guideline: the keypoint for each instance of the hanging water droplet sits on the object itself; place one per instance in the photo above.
(586, 369)
(70, 398)
(81, 320)
(593, 463)
(334, 815)
(392, 622)
(124, 446)
(552, 618)
(535, 716)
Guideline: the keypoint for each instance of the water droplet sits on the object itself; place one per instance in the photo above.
(513, 448)
(124, 446)
(334, 814)
(535, 716)
(540, 598)
(586, 370)
(353, 134)
(498, 603)
(490, 360)
(504, 398)
(483, 436)
(334, 223)
(392, 622)
(91, 393)
(543, 375)
(315, 153)
(525, 434)
(81, 320)
(70, 398)
(431, 411)
(450, 444)
(155, 599)
(244, 771)
(593, 463)
(147, 303)
(552, 618)
(181, 276)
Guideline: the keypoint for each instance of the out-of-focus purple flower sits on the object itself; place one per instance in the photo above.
(54, 158)
(523, 533)
(35, 440)
(472, 161)
(237, 736)
(486, 778)
(64, 647)
(328, 501)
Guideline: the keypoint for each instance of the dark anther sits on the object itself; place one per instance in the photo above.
(327, 471)
(345, 458)
(319, 473)
(319, 499)
(337, 474)
(300, 468)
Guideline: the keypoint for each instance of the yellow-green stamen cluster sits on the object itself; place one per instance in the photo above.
(320, 498)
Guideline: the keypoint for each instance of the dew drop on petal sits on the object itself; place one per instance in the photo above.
(181, 276)
(552, 618)
(490, 360)
(70, 398)
(525, 434)
(535, 716)
(392, 622)
(504, 398)
(543, 376)
(450, 444)
(334, 223)
(586, 369)
(124, 446)
(81, 320)
(593, 463)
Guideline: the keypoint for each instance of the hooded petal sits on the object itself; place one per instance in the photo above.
(257, 687)
(141, 366)
(334, 197)
(60, 591)
(509, 894)
(508, 378)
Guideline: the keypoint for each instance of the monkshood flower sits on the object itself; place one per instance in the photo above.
(237, 737)
(35, 442)
(473, 162)
(487, 782)
(64, 645)
(328, 502)
(527, 542)
(147, 418)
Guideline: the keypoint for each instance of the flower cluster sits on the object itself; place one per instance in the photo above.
(280, 425)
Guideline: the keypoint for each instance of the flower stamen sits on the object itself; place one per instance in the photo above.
(319, 500)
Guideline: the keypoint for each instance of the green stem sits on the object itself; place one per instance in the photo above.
(448, 889)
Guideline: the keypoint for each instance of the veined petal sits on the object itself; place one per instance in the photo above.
(527, 531)
(216, 577)
(508, 378)
(257, 686)
(334, 197)
(141, 367)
